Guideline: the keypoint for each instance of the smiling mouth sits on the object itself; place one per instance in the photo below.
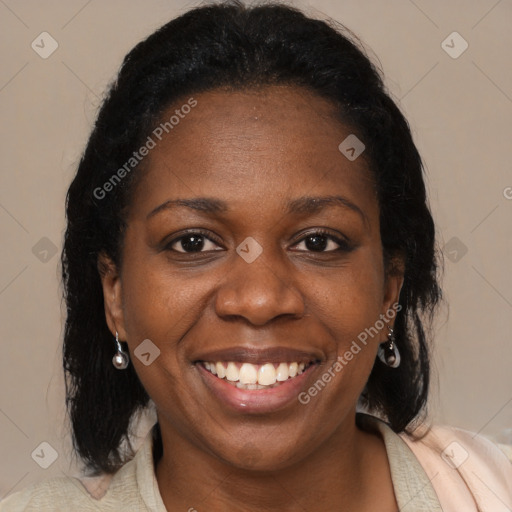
(255, 376)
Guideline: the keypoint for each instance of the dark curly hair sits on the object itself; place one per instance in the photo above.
(229, 45)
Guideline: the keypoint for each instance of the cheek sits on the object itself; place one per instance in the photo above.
(162, 306)
(158, 302)
(349, 299)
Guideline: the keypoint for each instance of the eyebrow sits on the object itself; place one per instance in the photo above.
(310, 204)
(302, 205)
(202, 204)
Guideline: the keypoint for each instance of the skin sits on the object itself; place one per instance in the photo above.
(256, 150)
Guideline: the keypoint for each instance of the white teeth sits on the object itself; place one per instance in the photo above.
(267, 375)
(282, 372)
(232, 373)
(250, 376)
(221, 371)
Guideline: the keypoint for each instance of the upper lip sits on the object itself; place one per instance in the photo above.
(261, 355)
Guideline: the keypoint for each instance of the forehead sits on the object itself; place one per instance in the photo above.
(255, 144)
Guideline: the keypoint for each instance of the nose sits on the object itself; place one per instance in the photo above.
(259, 291)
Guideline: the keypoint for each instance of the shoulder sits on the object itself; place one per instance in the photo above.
(461, 462)
(56, 494)
(126, 489)
(466, 470)
(102, 493)
(456, 446)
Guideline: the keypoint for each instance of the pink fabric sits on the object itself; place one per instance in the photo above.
(468, 472)
(97, 486)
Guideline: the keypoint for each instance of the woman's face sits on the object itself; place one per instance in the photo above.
(228, 258)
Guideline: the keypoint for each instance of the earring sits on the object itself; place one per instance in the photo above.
(121, 359)
(388, 351)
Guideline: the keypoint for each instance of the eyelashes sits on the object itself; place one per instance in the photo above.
(196, 239)
(317, 241)
(322, 236)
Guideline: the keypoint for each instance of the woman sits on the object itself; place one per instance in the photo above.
(249, 248)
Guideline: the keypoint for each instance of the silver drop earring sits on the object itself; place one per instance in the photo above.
(388, 351)
(121, 359)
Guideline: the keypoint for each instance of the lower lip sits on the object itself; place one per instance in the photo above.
(255, 400)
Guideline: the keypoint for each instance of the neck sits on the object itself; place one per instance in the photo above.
(349, 471)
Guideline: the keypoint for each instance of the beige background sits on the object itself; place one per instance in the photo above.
(460, 111)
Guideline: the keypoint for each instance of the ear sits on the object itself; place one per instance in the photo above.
(392, 290)
(393, 285)
(111, 283)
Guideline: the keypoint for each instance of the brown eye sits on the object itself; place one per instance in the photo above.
(192, 242)
(323, 242)
(317, 242)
